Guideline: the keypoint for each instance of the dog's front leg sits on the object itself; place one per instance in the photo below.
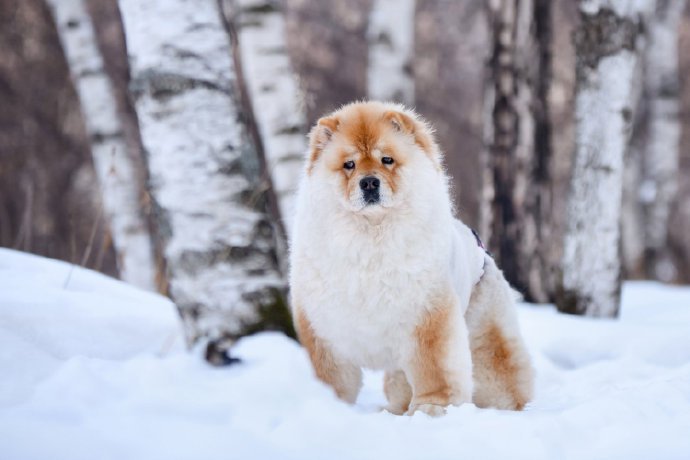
(440, 368)
(343, 376)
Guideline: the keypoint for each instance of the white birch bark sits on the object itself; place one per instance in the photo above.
(274, 94)
(118, 173)
(391, 45)
(661, 155)
(608, 77)
(205, 178)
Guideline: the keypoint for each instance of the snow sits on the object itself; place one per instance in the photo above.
(94, 368)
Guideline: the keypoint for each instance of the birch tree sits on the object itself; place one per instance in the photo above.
(272, 94)
(650, 172)
(608, 43)
(390, 35)
(218, 240)
(679, 237)
(119, 172)
(517, 189)
(660, 158)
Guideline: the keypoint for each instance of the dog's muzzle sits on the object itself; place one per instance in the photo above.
(370, 189)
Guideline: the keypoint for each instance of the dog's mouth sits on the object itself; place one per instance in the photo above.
(371, 198)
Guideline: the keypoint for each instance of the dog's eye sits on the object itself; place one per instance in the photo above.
(387, 160)
(349, 165)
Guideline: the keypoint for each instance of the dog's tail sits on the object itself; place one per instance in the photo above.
(490, 264)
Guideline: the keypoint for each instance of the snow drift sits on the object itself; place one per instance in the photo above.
(93, 368)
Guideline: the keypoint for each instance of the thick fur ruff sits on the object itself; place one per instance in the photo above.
(389, 279)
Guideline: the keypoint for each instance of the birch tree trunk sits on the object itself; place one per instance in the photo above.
(608, 43)
(660, 160)
(679, 238)
(517, 188)
(391, 45)
(119, 172)
(273, 95)
(219, 244)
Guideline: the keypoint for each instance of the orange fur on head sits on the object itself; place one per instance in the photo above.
(363, 128)
(422, 133)
(319, 137)
(366, 133)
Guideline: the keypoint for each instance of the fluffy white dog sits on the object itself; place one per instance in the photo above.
(384, 277)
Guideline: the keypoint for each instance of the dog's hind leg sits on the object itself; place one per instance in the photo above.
(343, 376)
(398, 392)
(502, 371)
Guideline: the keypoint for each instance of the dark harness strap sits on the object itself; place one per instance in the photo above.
(479, 242)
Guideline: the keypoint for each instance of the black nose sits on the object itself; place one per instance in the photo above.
(369, 183)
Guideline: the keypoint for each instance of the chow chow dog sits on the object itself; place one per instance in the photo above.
(383, 276)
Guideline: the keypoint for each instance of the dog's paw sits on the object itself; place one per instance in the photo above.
(395, 409)
(433, 410)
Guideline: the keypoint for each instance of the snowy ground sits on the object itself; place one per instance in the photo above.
(93, 369)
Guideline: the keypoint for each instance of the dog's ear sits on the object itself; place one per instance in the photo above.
(422, 133)
(400, 121)
(320, 136)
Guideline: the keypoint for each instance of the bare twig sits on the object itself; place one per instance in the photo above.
(89, 246)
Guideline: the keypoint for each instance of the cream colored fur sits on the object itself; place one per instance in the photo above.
(400, 285)
(502, 372)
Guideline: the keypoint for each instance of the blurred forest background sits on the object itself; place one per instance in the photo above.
(160, 141)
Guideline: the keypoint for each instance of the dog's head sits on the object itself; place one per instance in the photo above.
(373, 156)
